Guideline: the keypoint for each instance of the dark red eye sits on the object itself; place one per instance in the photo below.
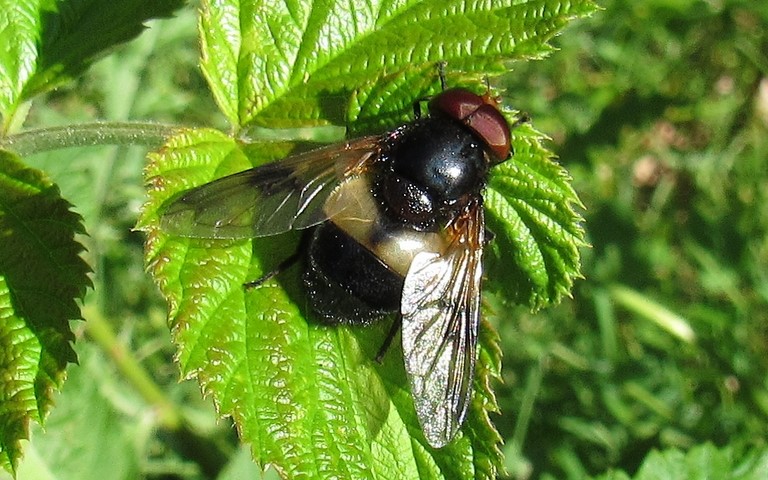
(480, 114)
(489, 125)
(456, 103)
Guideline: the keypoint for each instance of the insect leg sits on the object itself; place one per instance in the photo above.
(441, 73)
(284, 265)
(417, 108)
(488, 238)
(390, 336)
(522, 118)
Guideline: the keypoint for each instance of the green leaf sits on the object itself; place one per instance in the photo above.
(295, 389)
(48, 42)
(701, 462)
(95, 431)
(301, 63)
(306, 396)
(538, 233)
(309, 398)
(19, 30)
(41, 277)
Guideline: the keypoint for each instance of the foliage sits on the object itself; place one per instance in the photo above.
(705, 461)
(659, 111)
(286, 68)
(214, 319)
(42, 275)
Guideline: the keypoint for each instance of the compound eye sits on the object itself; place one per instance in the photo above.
(457, 103)
(488, 123)
(411, 204)
(480, 114)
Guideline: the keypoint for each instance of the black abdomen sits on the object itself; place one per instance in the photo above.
(346, 283)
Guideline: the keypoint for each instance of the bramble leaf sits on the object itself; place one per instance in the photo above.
(304, 394)
(309, 398)
(48, 42)
(303, 63)
(538, 233)
(41, 278)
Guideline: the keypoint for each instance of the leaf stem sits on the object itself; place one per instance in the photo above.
(88, 134)
(102, 333)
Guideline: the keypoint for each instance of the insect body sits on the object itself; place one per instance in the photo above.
(396, 225)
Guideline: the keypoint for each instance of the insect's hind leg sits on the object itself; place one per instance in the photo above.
(396, 324)
(287, 263)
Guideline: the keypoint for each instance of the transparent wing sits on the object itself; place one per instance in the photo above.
(440, 313)
(269, 199)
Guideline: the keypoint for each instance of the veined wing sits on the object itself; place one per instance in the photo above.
(440, 313)
(269, 199)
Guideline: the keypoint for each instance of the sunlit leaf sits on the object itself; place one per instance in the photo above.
(309, 398)
(302, 63)
(47, 42)
(538, 232)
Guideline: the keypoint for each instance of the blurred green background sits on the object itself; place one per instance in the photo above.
(658, 108)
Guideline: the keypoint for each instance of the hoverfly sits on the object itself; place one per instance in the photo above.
(394, 223)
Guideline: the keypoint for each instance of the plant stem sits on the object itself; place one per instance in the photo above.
(102, 334)
(88, 134)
